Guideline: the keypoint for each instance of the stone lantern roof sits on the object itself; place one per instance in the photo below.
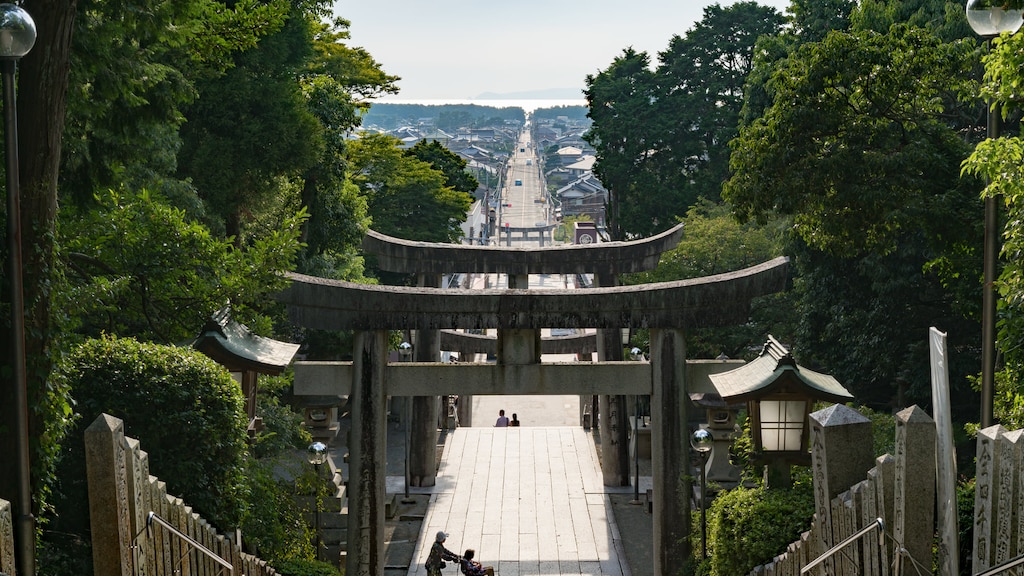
(775, 371)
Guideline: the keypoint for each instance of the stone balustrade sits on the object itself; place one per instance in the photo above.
(122, 494)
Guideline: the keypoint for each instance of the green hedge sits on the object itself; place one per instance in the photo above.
(748, 527)
(185, 410)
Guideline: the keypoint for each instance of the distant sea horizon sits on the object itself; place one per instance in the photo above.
(527, 104)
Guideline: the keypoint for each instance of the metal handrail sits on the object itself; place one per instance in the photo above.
(1000, 568)
(152, 517)
(849, 539)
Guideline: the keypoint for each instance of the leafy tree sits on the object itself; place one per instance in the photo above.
(714, 243)
(140, 268)
(858, 146)
(998, 161)
(251, 127)
(187, 412)
(660, 135)
(619, 100)
(406, 196)
(855, 146)
(449, 163)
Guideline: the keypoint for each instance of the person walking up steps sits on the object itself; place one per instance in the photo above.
(438, 554)
(502, 420)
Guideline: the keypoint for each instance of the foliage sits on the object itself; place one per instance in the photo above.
(714, 242)
(407, 198)
(306, 568)
(564, 232)
(748, 527)
(251, 125)
(126, 97)
(965, 522)
(447, 162)
(185, 410)
(855, 146)
(274, 526)
(139, 268)
(659, 134)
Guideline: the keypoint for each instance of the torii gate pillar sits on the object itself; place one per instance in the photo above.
(669, 450)
(367, 445)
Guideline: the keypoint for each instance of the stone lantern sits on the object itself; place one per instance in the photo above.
(779, 395)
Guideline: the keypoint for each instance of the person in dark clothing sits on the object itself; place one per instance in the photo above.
(438, 554)
(515, 420)
(471, 567)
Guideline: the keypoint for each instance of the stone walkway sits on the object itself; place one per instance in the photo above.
(529, 500)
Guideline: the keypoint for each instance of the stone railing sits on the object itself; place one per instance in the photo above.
(899, 490)
(6, 538)
(123, 498)
(998, 492)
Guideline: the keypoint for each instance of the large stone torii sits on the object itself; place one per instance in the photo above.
(668, 309)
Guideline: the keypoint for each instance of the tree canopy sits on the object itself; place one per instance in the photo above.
(660, 135)
(407, 197)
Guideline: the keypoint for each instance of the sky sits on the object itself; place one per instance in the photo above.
(468, 49)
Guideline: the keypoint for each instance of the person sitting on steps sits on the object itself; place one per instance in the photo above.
(515, 420)
(471, 567)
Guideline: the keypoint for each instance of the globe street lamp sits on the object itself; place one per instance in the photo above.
(405, 351)
(17, 35)
(637, 355)
(702, 441)
(988, 19)
(317, 455)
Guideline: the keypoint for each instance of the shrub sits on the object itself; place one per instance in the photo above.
(306, 568)
(748, 527)
(185, 410)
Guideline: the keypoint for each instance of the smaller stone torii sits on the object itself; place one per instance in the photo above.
(667, 309)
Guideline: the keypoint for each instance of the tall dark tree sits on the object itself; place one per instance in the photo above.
(250, 127)
(859, 148)
(620, 99)
(662, 136)
(449, 163)
(407, 197)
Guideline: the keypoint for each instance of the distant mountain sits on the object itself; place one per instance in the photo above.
(546, 94)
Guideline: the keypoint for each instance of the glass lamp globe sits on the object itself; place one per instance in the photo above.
(990, 18)
(17, 31)
(702, 441)
(317, 453)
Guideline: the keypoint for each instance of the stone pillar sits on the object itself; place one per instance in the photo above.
(614, 414)
(841, 455)
(669, 451)
(914, 500)
(986, 481)
(366, 484)
(423, 445)
(108, 497)
(6, 537)
(613, 411)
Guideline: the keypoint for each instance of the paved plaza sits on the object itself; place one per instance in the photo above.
(529, 500)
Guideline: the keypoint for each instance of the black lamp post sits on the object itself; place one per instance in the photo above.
(405, 351)
(636, 354)
(17, 35)
(988, 19)
(317, 456)
(702, 441)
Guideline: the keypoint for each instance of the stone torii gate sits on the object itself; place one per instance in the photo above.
(668, 309)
